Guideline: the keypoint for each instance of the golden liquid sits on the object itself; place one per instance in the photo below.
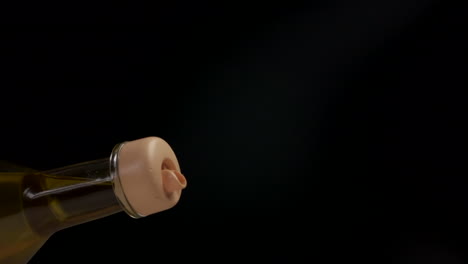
(34, 206)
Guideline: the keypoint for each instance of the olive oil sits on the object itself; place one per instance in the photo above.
(18, 241)
(33, 206)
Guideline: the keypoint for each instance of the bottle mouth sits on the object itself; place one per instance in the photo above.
(173, 181)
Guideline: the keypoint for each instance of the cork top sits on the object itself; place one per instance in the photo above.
(150, 175)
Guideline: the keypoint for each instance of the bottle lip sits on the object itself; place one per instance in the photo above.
(117, 184)
(146, 176)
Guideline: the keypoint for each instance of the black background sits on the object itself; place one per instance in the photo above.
(309, 132)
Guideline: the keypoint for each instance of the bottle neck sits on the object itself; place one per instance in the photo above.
(68, 196)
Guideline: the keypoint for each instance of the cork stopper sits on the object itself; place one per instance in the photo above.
(150, 175)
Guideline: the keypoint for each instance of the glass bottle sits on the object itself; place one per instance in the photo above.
(140, 177)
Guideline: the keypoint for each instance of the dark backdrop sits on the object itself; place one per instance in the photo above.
(309, 132)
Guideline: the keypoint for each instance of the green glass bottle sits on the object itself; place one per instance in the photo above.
(140, 177)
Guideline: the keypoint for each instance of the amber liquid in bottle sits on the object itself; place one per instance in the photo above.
(33, 206)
